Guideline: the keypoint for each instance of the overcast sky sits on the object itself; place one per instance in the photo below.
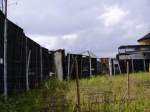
(78, 25)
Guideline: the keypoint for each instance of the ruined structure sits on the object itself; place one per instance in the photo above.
(137, 55)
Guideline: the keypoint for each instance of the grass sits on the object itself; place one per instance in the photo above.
(111, 91)
(139, 94)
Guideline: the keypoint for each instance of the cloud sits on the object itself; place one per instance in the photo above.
(78, 25)
(113, 15)
(70, 37)
(55, 42)
(49, 42)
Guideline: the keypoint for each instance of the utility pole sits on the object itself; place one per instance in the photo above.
(5, 52)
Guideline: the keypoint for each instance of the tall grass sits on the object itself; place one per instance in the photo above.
(139, 92)
(63, 95)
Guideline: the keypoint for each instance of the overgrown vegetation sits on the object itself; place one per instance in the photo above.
(100, 93)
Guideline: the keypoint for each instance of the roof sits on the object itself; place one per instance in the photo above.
(145, 37)
(89, 53)
(133, 46)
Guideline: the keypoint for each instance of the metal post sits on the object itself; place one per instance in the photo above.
(5, 52)
(41, 56)
(27, 84)
(26, 64)
(78, 85)
(68, 67)
(128, 80)
(114, 67)
(144, 65)
(90, 63)
(90, 67)
(27, 72)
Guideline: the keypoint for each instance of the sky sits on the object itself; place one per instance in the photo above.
(100, 26)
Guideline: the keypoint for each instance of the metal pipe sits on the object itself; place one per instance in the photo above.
(90, 63)
(5, 52)
(41, 56)
(128, 81)
(144, 65)
(132, 65)
(68, 66)
(27, 74)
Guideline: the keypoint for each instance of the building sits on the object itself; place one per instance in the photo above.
(86, 64)
(145, 40)
(138, 56)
